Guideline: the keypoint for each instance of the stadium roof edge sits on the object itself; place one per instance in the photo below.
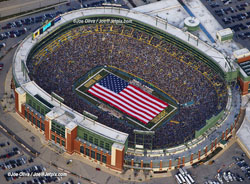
(27, 44)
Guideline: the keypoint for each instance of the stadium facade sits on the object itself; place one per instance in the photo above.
(242, 57)
(82, 134)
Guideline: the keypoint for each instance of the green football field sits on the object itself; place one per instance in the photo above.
(93, 76)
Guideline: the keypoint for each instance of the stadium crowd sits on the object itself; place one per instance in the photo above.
(171, 69)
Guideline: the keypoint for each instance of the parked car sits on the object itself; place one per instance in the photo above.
(22, 31)
(19, 23)
(1, 66)
(13, 35)
(11, 24)
(225, 177)
(6, 27)
(2, 45)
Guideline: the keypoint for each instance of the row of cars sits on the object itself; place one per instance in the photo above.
(236, 18)
(18, 28)
(227, 10)
(31, 171)
(234, 14)
(41, 180)
(14, 151)
(240, 7)
(13, 33)
(227, 177)
(3, 144)
(239, 27)
(13, 163)
(244, 35)
(31, 20)
(245, 168)
(24, 172)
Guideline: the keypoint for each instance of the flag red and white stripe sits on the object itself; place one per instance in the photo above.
(131, 100)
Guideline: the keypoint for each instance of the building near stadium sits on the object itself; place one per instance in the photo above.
(86, 131)
(225, 35)
(242, 57)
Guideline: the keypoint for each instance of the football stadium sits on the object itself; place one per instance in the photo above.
(125, 89)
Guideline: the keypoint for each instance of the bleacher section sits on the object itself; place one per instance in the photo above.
(136, 31)
(246, 67)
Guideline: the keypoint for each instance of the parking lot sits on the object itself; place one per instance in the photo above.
(234, 14)
(232, 163)
(17, 167)
(17, 29)
(14, 30)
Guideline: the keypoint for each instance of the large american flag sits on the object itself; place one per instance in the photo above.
(128, 98)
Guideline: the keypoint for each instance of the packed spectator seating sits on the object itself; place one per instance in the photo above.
(177, 72)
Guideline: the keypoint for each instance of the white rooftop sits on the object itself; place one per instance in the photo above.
(20, 91)
(175, 14)
(241, 53)
(64, 119)
(169, 10)
(212, 26)
(158, 7)
(55, 112)
(225, 32)
(118, 146)
(71, 125)
(244, 132)
(191, 21)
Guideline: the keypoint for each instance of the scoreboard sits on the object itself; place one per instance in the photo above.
(46, 26)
